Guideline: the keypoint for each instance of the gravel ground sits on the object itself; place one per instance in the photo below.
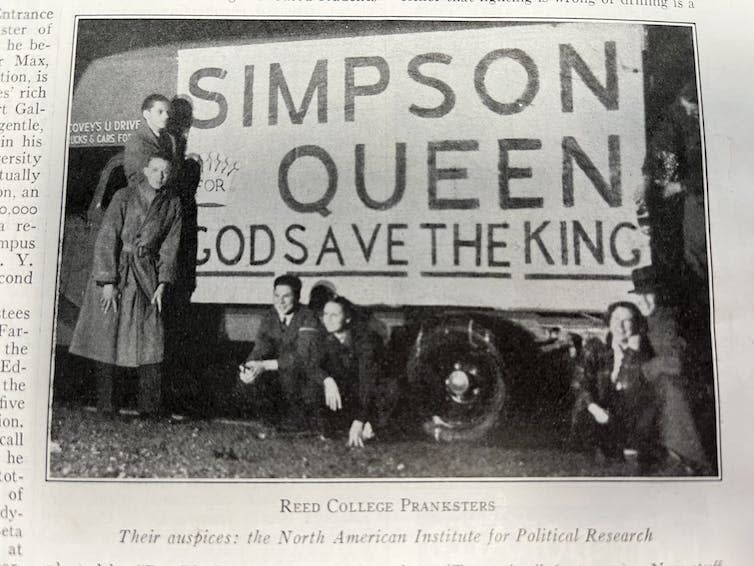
(85, 445)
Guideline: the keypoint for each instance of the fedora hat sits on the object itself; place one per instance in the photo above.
(645, 280)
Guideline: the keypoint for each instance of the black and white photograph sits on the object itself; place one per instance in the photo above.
(305, 249)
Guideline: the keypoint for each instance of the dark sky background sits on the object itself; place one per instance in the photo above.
(101, 37)
(98, 37)
(669, 61)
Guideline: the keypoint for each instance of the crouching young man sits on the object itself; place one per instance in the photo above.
(288, 347)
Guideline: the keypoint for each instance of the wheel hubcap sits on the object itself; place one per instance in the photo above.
(458, 381)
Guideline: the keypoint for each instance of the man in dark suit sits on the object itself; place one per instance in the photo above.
(289, 345)
(152, 138)
(668, 373)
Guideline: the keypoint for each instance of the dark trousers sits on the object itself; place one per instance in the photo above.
(634, 423)
(338, 423)
(149, 397)
(300, 400)
(286, 398)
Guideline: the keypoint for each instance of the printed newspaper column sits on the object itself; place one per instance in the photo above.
(24, 67)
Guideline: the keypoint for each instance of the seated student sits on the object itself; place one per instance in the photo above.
(352, 360)
(616, 408)
(288, 346)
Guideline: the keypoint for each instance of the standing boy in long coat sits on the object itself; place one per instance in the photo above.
(120, 323)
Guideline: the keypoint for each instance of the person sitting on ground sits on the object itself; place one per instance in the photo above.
(288, 347)
(352, 360)
(616, 408)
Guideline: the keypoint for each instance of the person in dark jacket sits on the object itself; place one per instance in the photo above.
(617, 408)
(288, 346)
(353, 362)
(674, 193)
(152, 138)
(667, 371)
(121, 318)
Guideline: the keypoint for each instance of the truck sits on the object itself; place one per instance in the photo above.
(469, 184)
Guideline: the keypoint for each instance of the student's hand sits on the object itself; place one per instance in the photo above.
(640, 192)
(249, 371)
(332, 394)
(671, 189)
(157, 297)
(600, 415)
(355, 434)
(367, 433)
(633, 342)
(109, 298)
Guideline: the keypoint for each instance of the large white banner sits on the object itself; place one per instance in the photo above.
(488, 167)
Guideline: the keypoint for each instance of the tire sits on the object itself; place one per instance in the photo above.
(457, 378)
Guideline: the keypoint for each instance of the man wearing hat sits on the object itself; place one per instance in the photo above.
(662, 320)
(665, 371)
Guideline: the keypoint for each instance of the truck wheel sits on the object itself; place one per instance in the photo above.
(457, 375)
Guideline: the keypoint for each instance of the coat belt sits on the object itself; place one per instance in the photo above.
(139, 250)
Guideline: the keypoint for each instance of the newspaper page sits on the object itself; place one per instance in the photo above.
(401, 282)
